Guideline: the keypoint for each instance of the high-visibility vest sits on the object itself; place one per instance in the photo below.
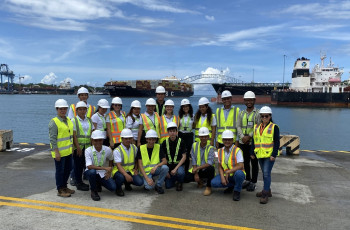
(173, 161)
(197, 152)
(232, 160)
(148, 123)
(185, 126)
(128, 162)
(117, 125)
(157, 109)
(200, 125)
(102, 159)
(230, 123)
(263, 143)
(84, 140)
(64, 137)
(163, 127)
(248, 123)
(147, 163)
(90, 111)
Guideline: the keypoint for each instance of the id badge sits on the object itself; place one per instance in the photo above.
(250, 123)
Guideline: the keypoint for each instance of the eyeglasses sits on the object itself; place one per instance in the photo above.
(264, 116)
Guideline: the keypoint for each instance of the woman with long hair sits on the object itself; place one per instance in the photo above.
(205, 118)
(133, 119)
(115, 122)
(167, 118)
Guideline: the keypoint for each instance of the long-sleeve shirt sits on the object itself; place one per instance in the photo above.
(276, 142)
(53, 131)
(239, 124)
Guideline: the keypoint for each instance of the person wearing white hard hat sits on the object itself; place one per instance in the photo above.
(99, 118)
(125, 169)
(166, 118)
(149, 120)
(160, 94)
(152, 163)
(265, 147)
(205, 118)
(133, 119)
(202, 155)
(248, 118)
(231, 167)
(226, 118)
(185, 128)
(61, 144)
(83, 95)
(175, 153)
(115, 122)
(96, 157)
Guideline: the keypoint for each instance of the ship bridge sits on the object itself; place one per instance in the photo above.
(208, 79)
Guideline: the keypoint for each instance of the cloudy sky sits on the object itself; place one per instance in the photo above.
(93, 41)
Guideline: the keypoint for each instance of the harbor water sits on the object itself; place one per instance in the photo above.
(319, 128)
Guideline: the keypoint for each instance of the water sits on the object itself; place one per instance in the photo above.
(319, 128)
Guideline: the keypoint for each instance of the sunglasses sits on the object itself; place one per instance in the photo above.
(264, 116)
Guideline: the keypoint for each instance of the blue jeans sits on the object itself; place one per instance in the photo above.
(95, 179)
(120, 179)
(161, 172)
(266, 168)
(179, 176)
(63, 168)
(234, 181)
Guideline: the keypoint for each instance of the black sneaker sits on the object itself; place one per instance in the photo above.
(82, 187)
(228, 190)
(95, 196)
(236, 196)
(245, 184)
(159, 190)
(119, 192)
(72, 181)
(128, 187)
(251, 187)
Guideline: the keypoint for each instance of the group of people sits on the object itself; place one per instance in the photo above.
(118, 148)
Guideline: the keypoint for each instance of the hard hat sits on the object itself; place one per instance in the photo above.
(117, 100)
(227, 134)
(169, 102)
(225, 94)
(204, 131)
(151, 101)
(171, 125)
(160, 89)
(103, 103)
(126, 133)
(203, 101)
(185, 102)
(82, 90)
(249, 94)
(136, 104)
(151, 134)
(265, 109)
(98, 134)
(61, 103)
(81, 104)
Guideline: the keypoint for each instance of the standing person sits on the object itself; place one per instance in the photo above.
(166, 119)
(231, 167)
(133, 119)
(115, 122)
(152, 163)
(226, 118)
(205, 118)
(175, 150)
(125, 169)
(265, 145)
(83, 95)
(61, 143)
(99, 118)
(149, 120)
(248, 118)
(185, 128)
(96, 172)
(202, 161)
(160, 94)
(82, 129)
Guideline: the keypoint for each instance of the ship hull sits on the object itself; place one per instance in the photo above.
(128, 91)
(240, 89)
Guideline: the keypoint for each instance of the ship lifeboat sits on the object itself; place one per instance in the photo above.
(334, 80)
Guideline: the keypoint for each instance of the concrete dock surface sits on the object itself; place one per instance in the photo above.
(310, 191)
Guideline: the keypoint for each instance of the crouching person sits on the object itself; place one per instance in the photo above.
(231, 167)
(152, 162)
(96, 172)
(125, 166)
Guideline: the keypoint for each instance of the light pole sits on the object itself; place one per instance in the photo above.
(253, 76)
(284, 68)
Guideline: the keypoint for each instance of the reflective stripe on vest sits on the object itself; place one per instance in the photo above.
(229, 123)
(173, 161)
(83, 140)
(103, 119)
(117, 125)
(148, 124)
(128, 161)
(184, 126)
(64, 137)
(200, 125)
(232, 160)
(163, 127)
(90, 111)
(96, 162)
(146, 162)
(263, 143)
(248, 123)
(197, 152)
(157, 109)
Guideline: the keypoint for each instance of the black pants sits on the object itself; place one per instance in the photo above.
(188, 139)
(79, 166)
(207, 173)
(247, 160)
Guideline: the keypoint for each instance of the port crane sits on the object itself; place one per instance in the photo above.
(6, 72)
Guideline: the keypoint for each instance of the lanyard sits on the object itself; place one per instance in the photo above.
(102, 118)
(101, 159)
(186, 124)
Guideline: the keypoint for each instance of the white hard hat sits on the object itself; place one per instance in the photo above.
(82, 90)
(117, 100)
(136, 104)
(151, 101)
(185, 102)
(225, 94)
(249, 94)
(227, 134)
(265, 109)
(151, 134)
(103, 103)
(203, 101)
(171, 125)
(98, 134)
(160, 89)
(204, 131)
(81, 104)
(169, 102)
(126, 133)
(61, 103)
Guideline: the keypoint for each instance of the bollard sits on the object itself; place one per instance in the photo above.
(291, 142)
(6, 139)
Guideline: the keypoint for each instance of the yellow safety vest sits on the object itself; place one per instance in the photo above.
(157, 109)
(90, 111)
(263, 143)
(83, 140)
(248, 123)
(148, 123)
(117, 125)
(232, 160)
(128, 162)
(197, 152)
(147, 163)
(173, 161)
(200, 125)
(64, 137)
(163, 127)
(230, 123)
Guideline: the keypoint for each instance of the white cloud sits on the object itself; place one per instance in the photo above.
(211, 70)
(210, 18)
(68, 79)
(318, 28)
(25, 79)
(49, 79)
(253, 33)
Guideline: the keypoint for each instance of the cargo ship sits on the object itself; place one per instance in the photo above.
(258, 88)
(65, 88)
(322, 87)
(147, 88)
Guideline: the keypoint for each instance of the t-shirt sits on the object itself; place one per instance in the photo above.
(133, 125)
(172, 148)
(239, 155)
(89, 158)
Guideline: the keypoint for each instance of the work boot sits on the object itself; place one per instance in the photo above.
(179, 187)
(207, 191)
(259, 194)
(236, 196)
(264, 198)
(83, 187)
(159, 189)
(70, 191)
(245, 184)
(119, 192)
(95, 196)
(62, 193)
(228, 190)
(251, 187)
(128, 187)
(72, 181)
